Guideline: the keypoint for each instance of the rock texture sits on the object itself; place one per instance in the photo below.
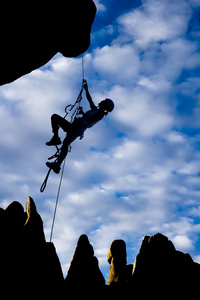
(34, 31)
(30, 266)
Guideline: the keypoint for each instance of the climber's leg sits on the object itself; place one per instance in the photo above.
(77, 129)
(57, 122)
(55, 166)
(64, 150)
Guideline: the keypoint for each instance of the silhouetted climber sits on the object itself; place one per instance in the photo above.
(77, 127)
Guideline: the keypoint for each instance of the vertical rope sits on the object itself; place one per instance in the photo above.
(55, 210)
(54, 215)
(82, 67)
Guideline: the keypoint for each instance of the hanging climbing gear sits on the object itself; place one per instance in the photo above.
(69, 108)
(75, 109)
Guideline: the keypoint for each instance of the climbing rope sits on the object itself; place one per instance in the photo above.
(82, 67)
(68, 109)
(58, 193)
(76, 106)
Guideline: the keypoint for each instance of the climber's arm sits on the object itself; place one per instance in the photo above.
(88, 96)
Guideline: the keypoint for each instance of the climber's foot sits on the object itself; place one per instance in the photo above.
(54, 141)
(54, 166)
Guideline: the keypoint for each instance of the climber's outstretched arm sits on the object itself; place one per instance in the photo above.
(88, 96)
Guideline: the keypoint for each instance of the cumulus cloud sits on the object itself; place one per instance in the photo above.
(118, 63)
(183, 243)
(140, 111)
(156, 21)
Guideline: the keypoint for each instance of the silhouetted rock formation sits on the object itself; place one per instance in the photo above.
(30, 266)
(33, 227)
(84, 272)
(33, 32)
(160, 267)
(120, 272)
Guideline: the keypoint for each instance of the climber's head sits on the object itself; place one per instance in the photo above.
(107, 105)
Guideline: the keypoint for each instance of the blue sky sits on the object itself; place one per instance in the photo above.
(136, 172)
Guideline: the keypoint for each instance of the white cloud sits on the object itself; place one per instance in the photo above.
(102, 33)
(183, 243)
(140, 111)
(100, 6)
(195, 211)
(156, 21)
(177, 55)
(118, 63)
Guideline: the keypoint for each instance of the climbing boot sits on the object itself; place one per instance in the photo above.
(54, 166)
(54, 141)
